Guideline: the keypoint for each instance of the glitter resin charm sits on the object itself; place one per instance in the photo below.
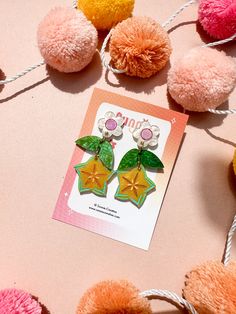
(95, 173)
(134, 184)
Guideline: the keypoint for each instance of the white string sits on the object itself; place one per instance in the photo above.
(220, 42)
(229, 242)
(216, 111)
(182, 8)
(103, 58)
(171, 296)
(74, 4)
(15, 77)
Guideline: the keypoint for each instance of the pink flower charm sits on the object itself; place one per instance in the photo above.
(110, 125)
(13, 301)
(146, 134)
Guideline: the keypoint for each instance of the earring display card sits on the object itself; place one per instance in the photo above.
(121, 220)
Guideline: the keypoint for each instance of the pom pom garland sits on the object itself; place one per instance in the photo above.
(67, 40)
(203, 79)
(218, 17)
(13, 301)
(104, 14)
(139, 46)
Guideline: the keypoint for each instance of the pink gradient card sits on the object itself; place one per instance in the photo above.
(108, 216)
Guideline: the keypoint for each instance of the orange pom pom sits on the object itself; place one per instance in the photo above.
(211, 288)
(140, 46)
(109, 297)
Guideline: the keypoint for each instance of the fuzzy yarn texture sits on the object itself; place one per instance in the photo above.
(113, 297)
(218, 17)
(140, 46)
(67, 40)
(13, 301)
(203, 78)
(234, 162)
(104, 14)
(211, 288)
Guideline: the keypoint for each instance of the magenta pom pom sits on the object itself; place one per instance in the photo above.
(67, 40)
(218, 17)
(13, 301)
(203, 79)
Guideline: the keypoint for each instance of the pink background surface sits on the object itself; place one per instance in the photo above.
(40, 117)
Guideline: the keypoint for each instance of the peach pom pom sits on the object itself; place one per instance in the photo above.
(67, 40)
(104, 14)
(211, 288)
(110, 297)
(218, 17)
(203, 79)
(140, 46)
(13, 301)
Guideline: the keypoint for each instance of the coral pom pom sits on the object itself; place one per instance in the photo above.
(113, 297)
(67, 40)
(140, 46)
(104, 14)
(211, 288)
(218, 17)
(13, 301)
(203, 79)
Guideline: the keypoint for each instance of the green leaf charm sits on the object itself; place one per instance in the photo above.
(106, 154)
(129, 160)
(150, 160)
(90, 143)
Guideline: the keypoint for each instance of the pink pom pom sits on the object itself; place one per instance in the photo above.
(218, 17)
(67, 40)
(13, 301)
(203, 79)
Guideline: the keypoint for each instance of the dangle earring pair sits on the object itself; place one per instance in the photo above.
(96, 173)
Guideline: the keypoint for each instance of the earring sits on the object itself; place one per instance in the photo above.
(95, 173)
(134, 184)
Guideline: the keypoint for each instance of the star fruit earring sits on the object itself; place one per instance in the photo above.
(95, 173)
(134, 184)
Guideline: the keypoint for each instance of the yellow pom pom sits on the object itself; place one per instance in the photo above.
(234, 162)
(104, 14)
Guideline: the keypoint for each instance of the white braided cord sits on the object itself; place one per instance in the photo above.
(103, 58)
(229, 242)
(229, 111)
(15, 77)
(75, 4)
(173, 16)
(220, 42)
(171, 296)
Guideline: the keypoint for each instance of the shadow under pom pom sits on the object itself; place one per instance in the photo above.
(139, 46)
(18, 301)
(113, 297)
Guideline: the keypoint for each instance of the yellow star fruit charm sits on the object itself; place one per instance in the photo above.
(93, 176)
(134, 185)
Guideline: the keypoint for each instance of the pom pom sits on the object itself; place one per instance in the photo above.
(234, 162)
(140, 46)
(67, 40)
(104, 14)
(110, 297)
(17, 301)
(202, 79)
(218, 17)
(211, 288)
